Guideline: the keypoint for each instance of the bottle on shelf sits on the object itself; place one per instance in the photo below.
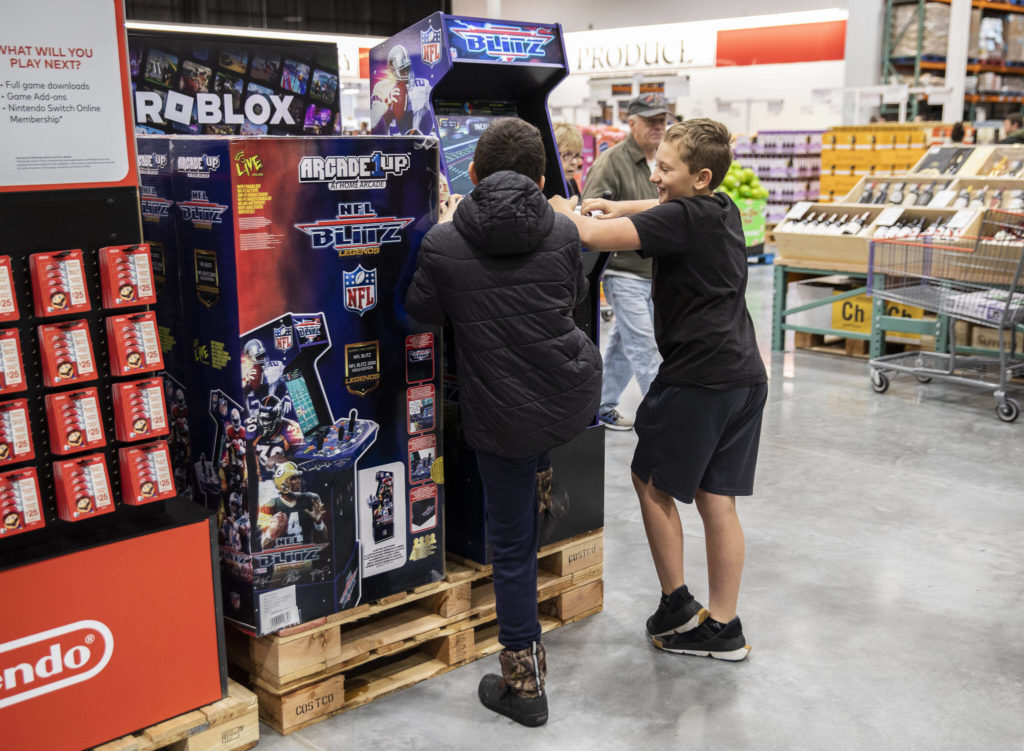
(999, 168)
(825, 228)
(1016, 202)
(883, 194)
(955, 162)
(963, 199)
(837, 228)
(978, 200)
(910, 195)
(926, 195)
(858, 224)
(868, 194)
(995, 201)
(896, 194)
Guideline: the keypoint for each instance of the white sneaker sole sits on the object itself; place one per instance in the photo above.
(702, 615)
(612, 426)
(736, 655)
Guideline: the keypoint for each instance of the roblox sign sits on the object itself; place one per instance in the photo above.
(211, 109)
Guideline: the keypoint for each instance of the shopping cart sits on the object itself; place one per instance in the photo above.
(978, 280)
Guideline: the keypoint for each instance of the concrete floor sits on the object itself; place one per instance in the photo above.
(883, 593)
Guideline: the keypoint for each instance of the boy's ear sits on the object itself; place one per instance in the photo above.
(704, 178)
(540, 183)
(472, 173)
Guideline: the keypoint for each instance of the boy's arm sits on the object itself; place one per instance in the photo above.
(422, 300)
(599, 234)
(615, 209)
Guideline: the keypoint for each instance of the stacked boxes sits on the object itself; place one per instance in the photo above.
(308, 399)
(935, 33)
(851, 152)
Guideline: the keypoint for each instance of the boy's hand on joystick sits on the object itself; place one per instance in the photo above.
(448, 207)
(562, 205)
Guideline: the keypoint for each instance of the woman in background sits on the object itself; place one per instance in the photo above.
(570, 148)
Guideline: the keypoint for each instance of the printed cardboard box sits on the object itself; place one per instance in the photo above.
(311, 396)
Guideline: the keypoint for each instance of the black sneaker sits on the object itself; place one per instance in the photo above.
(709, 639)
(676, 613)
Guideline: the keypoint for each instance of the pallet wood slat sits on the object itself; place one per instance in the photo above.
(316, 671)
(230, 724)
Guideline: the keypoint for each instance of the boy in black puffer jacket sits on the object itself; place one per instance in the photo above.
(506, 271)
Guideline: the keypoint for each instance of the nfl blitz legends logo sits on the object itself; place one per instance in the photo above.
(200, 211)
(356, 230)
(360, 289)
(51, 660)
(506, 42)
(430, 46)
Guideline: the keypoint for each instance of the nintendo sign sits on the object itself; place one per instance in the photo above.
(49, 661)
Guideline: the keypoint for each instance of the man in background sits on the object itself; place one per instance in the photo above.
(1013, 128)
(624, 172)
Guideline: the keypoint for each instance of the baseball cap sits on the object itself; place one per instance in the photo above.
(648, 105)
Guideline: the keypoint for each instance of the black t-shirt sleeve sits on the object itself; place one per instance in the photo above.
(665, 228)
(662, 229)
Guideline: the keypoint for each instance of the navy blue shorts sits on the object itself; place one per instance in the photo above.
(691, 437)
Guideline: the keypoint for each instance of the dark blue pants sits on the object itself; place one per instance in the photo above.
(513, 529)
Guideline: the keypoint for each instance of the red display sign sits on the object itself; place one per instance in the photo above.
(795, 43)
(106, 641)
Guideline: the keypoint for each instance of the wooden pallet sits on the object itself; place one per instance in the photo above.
(231, 724)
(308, 673)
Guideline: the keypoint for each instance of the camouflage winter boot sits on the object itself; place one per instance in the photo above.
(544, 490)
(518, 693)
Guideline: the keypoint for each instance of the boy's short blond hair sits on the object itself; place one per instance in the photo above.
(702, 143)
(568, 138)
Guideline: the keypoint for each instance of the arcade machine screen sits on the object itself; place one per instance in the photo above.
(460, 124)
(305, 411)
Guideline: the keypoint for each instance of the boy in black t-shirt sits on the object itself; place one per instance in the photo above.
(699, 426)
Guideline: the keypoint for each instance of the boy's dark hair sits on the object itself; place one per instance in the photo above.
(510, 144)
(1016, 120)
(702, 143)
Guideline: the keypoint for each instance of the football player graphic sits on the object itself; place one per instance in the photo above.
(400, 100)
(278, 437)
(294, 517)
(262, 377)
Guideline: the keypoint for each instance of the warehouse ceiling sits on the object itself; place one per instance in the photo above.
(375, 18)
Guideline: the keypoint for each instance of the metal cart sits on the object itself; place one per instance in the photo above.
(978, 280)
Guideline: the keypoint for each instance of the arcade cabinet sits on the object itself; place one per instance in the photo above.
(452, 76)
(308, 393)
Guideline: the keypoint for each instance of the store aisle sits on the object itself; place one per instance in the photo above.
(883, 593)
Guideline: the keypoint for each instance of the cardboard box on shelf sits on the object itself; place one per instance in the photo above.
(984, 337)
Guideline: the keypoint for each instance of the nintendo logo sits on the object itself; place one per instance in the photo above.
(51, 660)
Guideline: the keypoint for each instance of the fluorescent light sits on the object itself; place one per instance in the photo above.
(176, 28)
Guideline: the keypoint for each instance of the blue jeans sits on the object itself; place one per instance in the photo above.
(631, 347)
(513, 529)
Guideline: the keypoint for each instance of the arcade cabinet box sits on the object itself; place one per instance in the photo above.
(452, 76)
(306, 408)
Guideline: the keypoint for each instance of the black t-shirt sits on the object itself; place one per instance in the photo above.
(701, 322)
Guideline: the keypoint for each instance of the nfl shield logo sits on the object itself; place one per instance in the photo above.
(283, 338)
(360, 289)
(430, 41)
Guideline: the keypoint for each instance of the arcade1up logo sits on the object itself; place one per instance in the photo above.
(505, 42)
(353, 172)
(51, 660)
(356, 230)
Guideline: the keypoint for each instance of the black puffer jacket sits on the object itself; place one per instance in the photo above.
(507, 273)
